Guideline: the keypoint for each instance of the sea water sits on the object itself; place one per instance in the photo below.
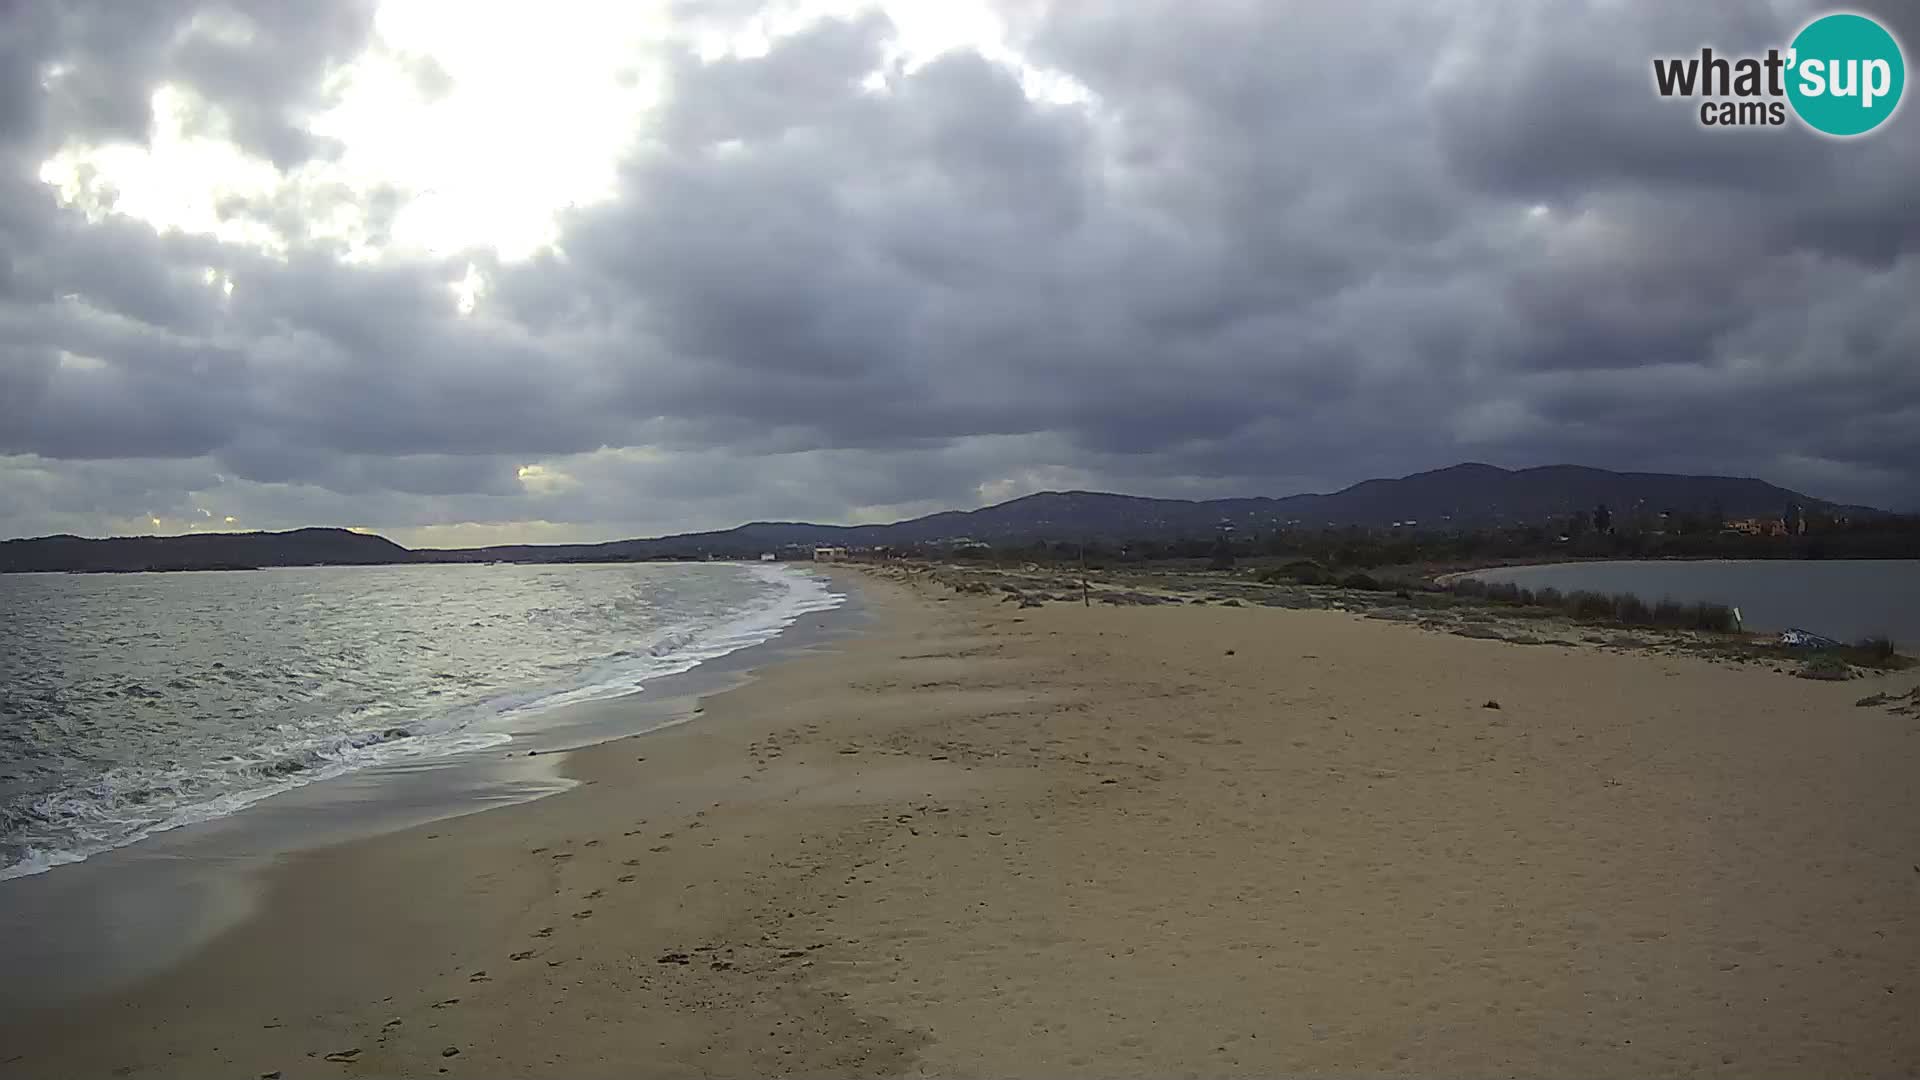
(136, 703)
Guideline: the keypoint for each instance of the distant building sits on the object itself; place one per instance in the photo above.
(766, 556)
(829, 554)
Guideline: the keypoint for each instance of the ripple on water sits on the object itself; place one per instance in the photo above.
(136, 703)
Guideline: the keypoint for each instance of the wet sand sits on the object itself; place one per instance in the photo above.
(1201, 840)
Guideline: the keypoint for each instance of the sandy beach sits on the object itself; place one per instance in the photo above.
(1174, 840)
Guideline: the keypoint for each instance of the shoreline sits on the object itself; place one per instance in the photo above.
(503, 716)
(982, 839)
(1454, 575)
(1530, 564)
(1844, 599)
(133, 910)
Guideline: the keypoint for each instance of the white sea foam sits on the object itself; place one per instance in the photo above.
(681, 649)
(125, 805)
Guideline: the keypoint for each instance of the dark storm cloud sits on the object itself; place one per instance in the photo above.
(1274, 248)
(1552, 123)
(100, 61)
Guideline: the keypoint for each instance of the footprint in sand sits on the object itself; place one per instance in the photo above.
(595, 894)
(587, 914)
(624, 878)
(545, 931)
(522, 955)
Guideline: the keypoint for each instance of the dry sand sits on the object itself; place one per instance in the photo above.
(1153, 841)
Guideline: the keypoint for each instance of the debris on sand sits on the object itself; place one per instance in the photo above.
(1796, 638)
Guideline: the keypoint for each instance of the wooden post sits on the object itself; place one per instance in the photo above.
(1086, 595)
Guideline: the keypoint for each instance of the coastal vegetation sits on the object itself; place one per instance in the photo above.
(1352, 548)
(1463, 606)
(1622, 609)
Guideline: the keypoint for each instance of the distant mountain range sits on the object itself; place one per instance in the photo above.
(1466, 496)
(201, 551)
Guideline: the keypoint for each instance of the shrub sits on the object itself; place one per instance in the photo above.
(1222, 555)
(1360, 581)
(1467, 587)
(1502, 591)
(1297, 572)
(1631, 610)
(1588, 606)
(1715, 617)
(1878, 649)
(1826, 667)
(1302, 571)
(1583, 604)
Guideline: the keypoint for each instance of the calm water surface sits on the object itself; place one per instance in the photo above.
(1846, 599)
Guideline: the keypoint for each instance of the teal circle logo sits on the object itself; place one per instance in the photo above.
(1846, 74)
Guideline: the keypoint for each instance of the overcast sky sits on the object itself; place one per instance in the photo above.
(464, 273)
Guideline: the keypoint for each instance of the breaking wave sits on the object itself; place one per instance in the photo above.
(77, 811)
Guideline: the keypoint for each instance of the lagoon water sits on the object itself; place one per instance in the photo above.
(1846, 599)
